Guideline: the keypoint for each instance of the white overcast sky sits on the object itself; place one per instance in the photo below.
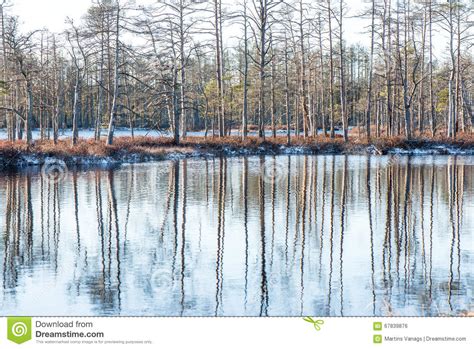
(51, 14)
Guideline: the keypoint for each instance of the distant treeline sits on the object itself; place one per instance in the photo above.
(185, 65)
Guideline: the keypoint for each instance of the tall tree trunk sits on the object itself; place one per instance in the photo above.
(29, 112)
(322, 87)
(387, 48)
(342, 75)
(432, 105)
(287, 95)
(403, 66)
(303, 82)
(246, 75)
(58, 91)
(219, 66)
(459, 122)
(368, 109)
(452, 99)
(100, 93)
(175, 105)
(421, 95)
(182, 99)
(272, 88)
(261, 71)
(77, 107)
(331, 71)
(9, 116)
(41, 110)
(406, 98)
(113, 111)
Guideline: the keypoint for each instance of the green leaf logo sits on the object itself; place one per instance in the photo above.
(316, 323)
(19, 329)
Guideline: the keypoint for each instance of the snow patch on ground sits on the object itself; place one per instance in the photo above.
(29, 160)
(25, 160)
(124, 132)
(295, 150)
(434, 150)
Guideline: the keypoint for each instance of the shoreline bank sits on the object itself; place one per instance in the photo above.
(17, 155)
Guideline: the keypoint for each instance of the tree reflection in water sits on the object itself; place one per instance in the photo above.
(259, 236)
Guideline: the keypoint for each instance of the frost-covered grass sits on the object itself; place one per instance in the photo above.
(145, 148)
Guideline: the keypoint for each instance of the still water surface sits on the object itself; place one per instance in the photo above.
(258, 236)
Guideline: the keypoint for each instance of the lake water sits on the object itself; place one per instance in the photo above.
(257, 236)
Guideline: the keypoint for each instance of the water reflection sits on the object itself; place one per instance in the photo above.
(259, 236)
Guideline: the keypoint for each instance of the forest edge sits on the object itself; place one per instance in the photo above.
(88, 152)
